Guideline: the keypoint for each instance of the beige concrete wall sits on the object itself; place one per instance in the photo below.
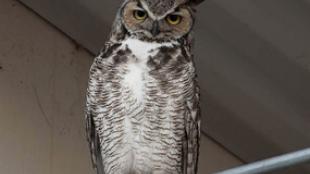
(43, 77)
(42, 83)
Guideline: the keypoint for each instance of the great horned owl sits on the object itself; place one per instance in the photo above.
(143, 100)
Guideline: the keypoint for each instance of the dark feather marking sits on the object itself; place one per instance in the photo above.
(121, 56)
(162, 58)
(108, 50)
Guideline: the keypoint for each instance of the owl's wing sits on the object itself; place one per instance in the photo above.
(92, 134)
(192, 125)
(94, 142)
(192, 128)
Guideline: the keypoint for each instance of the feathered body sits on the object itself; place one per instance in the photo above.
(143, 106)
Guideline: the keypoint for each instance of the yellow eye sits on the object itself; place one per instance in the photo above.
(140, 15)
(174, 19)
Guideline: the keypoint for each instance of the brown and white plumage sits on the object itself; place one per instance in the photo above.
(142, 107)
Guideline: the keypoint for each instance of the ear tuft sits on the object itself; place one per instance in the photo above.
(195, 2)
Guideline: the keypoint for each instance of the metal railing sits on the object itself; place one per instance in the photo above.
(272, 164)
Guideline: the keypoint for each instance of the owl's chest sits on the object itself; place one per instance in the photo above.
(143, 87)
(134, 81)
(143, 68)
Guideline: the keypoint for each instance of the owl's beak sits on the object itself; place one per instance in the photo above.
(155, 29)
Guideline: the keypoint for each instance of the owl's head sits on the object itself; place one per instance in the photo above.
(158, 19)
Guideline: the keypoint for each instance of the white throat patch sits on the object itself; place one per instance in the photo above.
(142, 49)
(137, 70)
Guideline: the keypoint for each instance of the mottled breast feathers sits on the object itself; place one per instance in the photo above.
(143, 109)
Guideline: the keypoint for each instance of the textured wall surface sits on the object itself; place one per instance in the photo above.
(42, 83)
(43, 77)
